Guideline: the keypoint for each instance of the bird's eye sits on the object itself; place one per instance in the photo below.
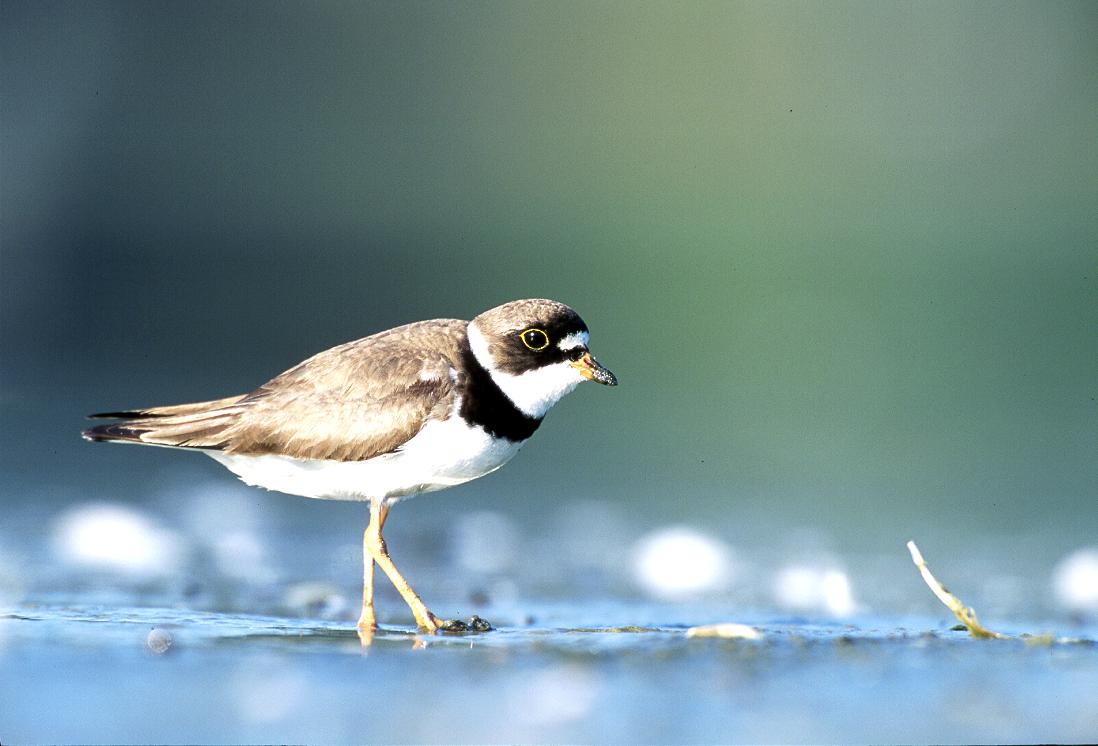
(535, 339)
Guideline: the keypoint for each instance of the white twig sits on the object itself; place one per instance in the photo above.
(963, 613)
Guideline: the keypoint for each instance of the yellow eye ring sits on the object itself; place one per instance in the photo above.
(535, 339)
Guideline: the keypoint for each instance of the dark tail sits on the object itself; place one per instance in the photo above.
(197, 425)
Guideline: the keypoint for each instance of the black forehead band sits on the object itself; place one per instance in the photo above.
(561, 325)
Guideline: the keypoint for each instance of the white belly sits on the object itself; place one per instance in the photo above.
(442, 454)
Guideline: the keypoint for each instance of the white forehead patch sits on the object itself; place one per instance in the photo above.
(574, 340)
(534, 391)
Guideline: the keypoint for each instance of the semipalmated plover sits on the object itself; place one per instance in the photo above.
(414, 409)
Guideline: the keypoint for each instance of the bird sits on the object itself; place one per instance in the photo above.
(414, 409)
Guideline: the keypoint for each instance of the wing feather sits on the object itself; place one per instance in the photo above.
(349, 403)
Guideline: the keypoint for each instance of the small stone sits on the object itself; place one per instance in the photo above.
(453, 625)
(728, 630)
(477, 624)
(158, 640)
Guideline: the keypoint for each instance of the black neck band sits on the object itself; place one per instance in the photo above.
(484, 403)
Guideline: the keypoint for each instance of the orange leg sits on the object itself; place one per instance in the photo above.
(367, 621)
(375, 551)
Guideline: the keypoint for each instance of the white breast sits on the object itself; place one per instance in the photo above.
(442, 454)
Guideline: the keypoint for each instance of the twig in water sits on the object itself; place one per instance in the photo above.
(963, 613)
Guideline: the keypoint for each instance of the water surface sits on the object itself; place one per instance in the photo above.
(91, 673)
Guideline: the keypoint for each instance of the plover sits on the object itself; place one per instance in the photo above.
(414, 409)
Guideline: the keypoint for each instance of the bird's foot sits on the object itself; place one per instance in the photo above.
(366, 632)
(367, 625)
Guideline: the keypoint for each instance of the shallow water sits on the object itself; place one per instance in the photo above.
(253, 613)
(90, 673)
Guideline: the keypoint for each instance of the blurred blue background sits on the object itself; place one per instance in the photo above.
(843, 258)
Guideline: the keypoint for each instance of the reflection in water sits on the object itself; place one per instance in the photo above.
(555, 694)
(267, 689)
(254, 678)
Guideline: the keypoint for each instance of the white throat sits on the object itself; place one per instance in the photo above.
(532, 392)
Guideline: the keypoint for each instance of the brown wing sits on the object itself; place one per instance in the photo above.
(349, 403)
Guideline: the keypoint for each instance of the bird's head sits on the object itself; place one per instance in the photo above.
(536, 352)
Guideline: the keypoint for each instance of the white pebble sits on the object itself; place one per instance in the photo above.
(680, 562)
(806, 588)
(107, 536)
(726, 630)
(158, 640)
(1075, 580)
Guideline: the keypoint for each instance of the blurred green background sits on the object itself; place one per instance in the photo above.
(842, 256)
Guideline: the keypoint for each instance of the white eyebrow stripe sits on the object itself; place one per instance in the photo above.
(574, 340)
